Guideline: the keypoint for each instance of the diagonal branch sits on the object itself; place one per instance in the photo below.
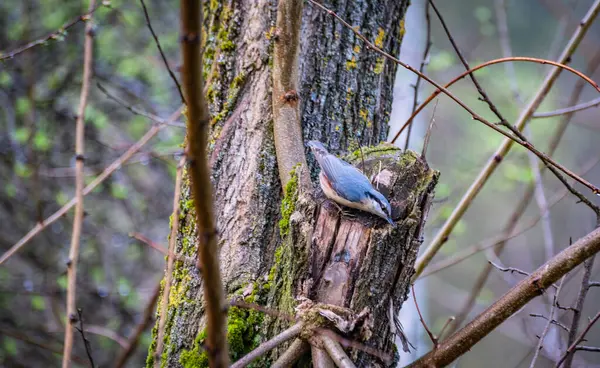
(516, 298)
(269, 345)
(79, 186)
(52, 36)
(199, 171)
(114, 166)
(160, 50)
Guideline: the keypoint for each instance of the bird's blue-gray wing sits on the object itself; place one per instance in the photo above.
(346, 180)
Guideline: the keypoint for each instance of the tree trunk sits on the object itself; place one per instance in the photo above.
(345, 98)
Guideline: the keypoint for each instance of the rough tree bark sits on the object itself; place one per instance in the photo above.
(345, 101)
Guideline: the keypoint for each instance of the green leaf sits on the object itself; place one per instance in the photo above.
(41, 141)
(118, 191)
(38, 302)
(21, 135)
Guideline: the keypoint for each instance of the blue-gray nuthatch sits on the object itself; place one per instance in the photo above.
(344, 184)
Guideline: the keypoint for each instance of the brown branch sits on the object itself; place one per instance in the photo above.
(269, 345)
(86, 342)
(547, 327)
(162, 322)
(298, 348)
(578, 310)
(529, 288)
(52, 36)
(144, 239)
(428, 133)
(568, 110)
(287, 127)
(114, 166)
(337, 354)
(160, 50)
(88, 50)
(484, 65)
(134, 340)
(510, 139)
(573, 347)
(198, 122)
(428, 44)
(432, 337)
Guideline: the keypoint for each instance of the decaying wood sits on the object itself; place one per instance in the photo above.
(357, 261)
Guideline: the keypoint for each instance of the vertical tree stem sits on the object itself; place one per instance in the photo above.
(197, 128)
(79, 186)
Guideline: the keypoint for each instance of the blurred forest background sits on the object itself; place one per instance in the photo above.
(119, 274)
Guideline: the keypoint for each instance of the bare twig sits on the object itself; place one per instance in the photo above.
(517, 297)
(432, 337)
(553, 321)
(428, 133)
(428, 44)
(446, 325)
(547, 327)
(42, 345)
(135, 110)
(579, 339)
(588, 348)
(52, 36)
(86, 342)
(198, 122)
(568, 110)
(509, 269)
(269, 345)
(79, 186)
(133, 341)
(287, 128)
(298, 348)
(153, 245)
(114, 166)
(578, 310)
(337, 354)
(160, 50)
(497, 157)
(162, 322)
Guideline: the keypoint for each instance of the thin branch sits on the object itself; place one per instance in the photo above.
(114, 166)
(588, 348)
(42, 345)
(162, 322)
(337, 354)
(547, 327)
(509, 269)
(160, 50)
(428, 133)
(579, 339)
(135, 110)
(260, 308)
(568, 110)
(88, 50)
(432, 337)
(86, 342)
(298, 348)
(517, 297)
(166, 252)
(269, 345)
(198, 122)
(348, 343)
(144, 323)
(578, 310)
(446, 325)
(287, 128)
(52, 36)
(428, 44)
(553, 321)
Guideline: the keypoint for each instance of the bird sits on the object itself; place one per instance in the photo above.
(346, 185)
